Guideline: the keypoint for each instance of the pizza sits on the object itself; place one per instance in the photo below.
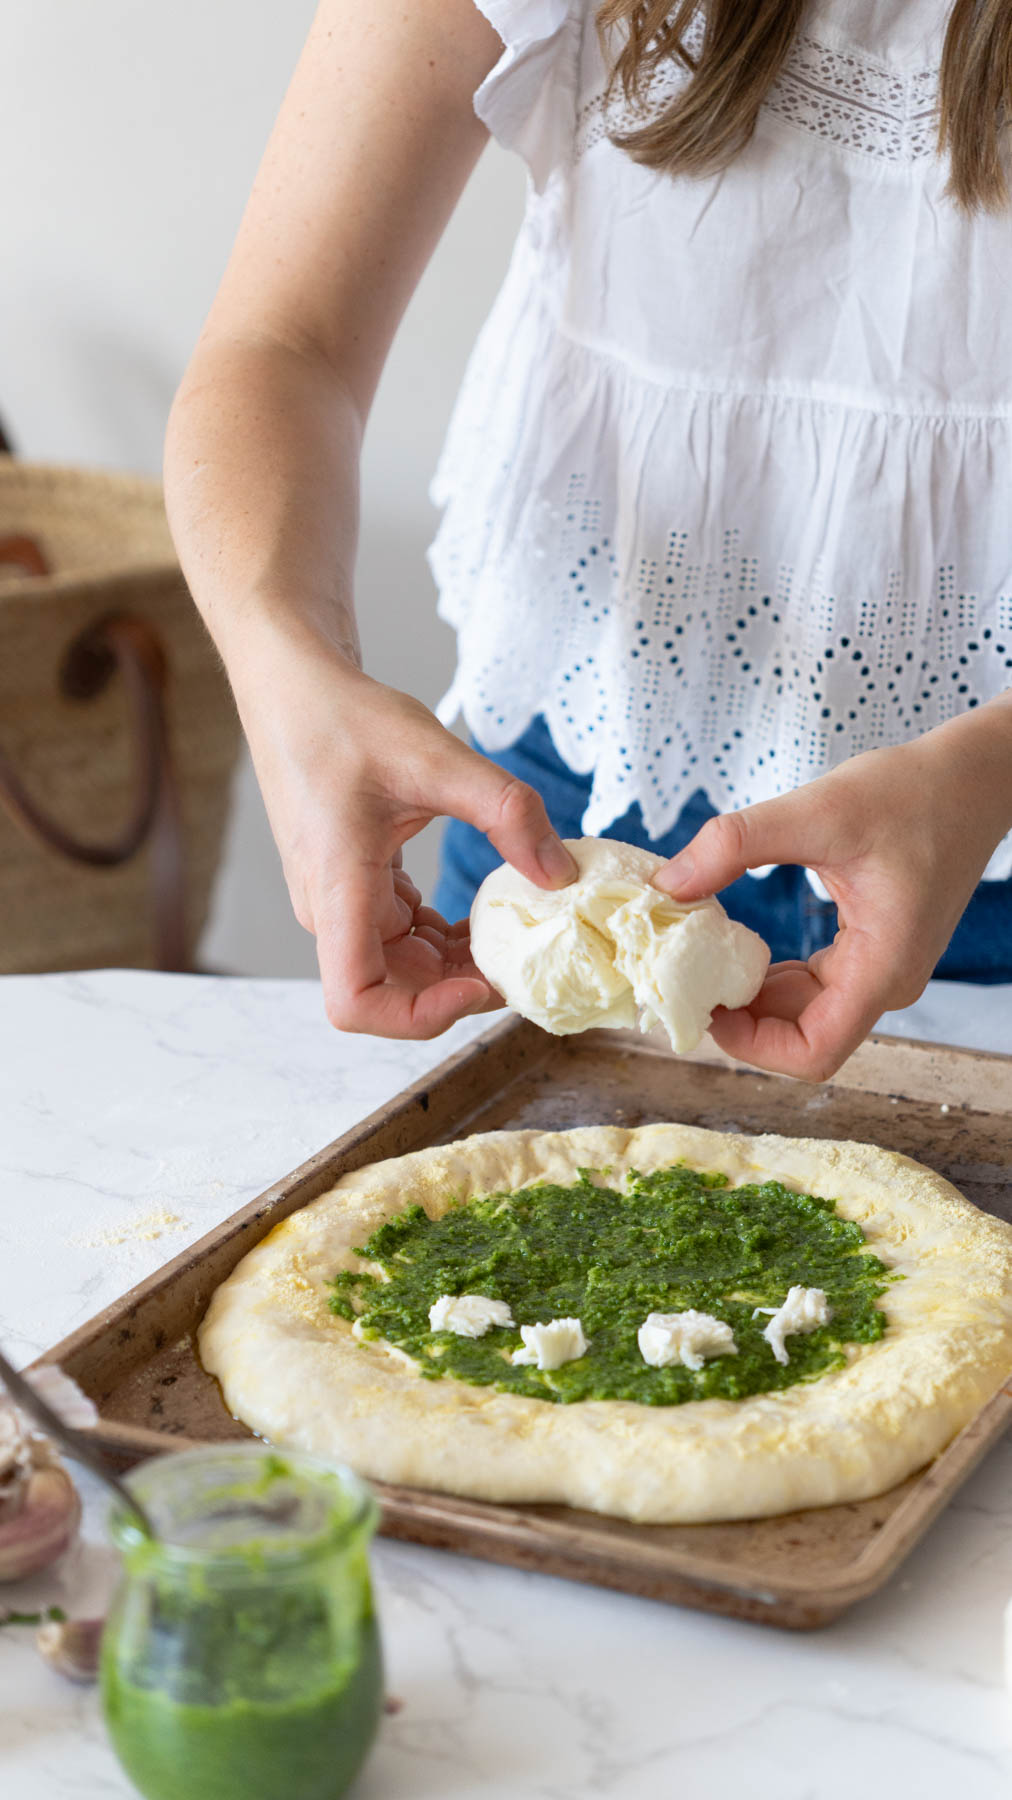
(665, 1324)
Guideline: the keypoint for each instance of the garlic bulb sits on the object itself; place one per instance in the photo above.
(44, 1524)
(39, 1506)
(72, 1647)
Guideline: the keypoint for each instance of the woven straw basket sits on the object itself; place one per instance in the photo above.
(118, 735)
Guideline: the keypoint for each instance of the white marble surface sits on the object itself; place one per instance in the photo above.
(134, 1105)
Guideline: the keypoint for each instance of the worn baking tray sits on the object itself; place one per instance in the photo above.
(951, 1109)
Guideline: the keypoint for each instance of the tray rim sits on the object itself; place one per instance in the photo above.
(501, 1523)
(889, 1547)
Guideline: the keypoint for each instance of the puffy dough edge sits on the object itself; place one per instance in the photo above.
(292, 1371)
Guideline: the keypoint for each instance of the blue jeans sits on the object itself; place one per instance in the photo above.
(781, 907)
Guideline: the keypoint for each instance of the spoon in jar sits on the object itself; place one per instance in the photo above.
(76, 1443)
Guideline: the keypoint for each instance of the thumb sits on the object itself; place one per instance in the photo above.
(511, 814)
(728, 845)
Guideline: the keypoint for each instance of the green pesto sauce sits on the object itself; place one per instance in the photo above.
(204, 1739)
(239, 1678)
(667, 1242)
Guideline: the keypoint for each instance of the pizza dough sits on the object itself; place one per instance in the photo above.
(293, 1371)
(610, 949)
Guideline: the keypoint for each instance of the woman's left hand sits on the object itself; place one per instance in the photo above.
(900, 838)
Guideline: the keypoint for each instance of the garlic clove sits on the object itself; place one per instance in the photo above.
(62, 1396)
(44, 1526)
(72, 1647)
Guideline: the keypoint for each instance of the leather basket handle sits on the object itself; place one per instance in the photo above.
(125, 644)
(24, 553)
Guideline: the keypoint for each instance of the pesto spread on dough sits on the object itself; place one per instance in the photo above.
(666, 1242)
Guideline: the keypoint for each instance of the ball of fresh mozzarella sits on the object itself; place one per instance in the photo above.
(610, 949)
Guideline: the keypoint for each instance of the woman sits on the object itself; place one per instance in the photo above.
(752, 358)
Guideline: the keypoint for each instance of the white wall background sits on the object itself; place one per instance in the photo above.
(129, 136)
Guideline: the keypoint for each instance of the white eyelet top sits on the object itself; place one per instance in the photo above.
(728, 487)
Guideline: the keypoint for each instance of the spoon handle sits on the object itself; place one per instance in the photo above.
(75, 1443)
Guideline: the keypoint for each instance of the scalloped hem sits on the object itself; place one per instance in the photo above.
(606, 805)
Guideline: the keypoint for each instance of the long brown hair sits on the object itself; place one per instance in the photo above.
(744, 47)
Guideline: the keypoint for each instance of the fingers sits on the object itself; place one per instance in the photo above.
(510, 814)
(385, 1010)
(809, 1017)
(394, 1012)
(405, 888)
(414, 962)
(427, 919)
(791, 829)
(394, 990)
(449, 945)
(428, 927)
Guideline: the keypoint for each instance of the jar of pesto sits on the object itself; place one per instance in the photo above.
(242, 1654)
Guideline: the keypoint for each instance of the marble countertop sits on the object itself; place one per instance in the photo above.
(137, 1111)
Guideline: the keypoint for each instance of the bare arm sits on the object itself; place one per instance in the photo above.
(375, 140)
(374, 143)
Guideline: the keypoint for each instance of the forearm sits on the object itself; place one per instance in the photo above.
(261, 481)
(372, 147)
(973, 753)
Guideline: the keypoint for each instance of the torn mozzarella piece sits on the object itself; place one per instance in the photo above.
(468, 1315)
(804, 1310)
(610, 949)
(688, 1338)
(551, 1345)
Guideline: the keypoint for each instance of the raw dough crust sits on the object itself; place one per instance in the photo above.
(292, 1370)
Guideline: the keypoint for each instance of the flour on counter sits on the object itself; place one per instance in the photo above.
(147, 1226)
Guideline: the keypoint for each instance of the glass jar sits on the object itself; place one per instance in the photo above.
(241, 1656)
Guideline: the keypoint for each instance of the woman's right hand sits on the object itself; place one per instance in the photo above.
(350, 770)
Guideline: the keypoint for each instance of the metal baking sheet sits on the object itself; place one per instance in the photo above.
(951, 1109)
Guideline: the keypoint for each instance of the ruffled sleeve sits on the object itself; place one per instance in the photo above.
(528, 101)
